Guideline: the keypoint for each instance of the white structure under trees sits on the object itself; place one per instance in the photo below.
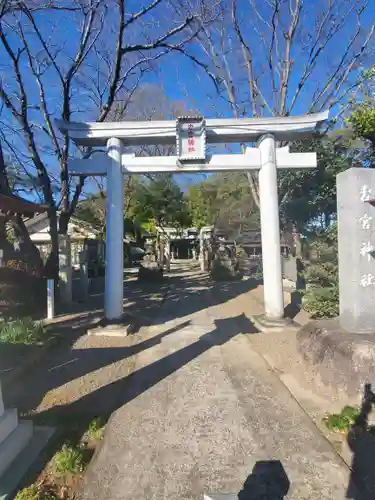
(190, 135)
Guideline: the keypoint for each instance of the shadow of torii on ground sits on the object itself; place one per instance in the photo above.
(106, 400)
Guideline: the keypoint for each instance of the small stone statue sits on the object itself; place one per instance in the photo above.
(224, 264)
(150, 269)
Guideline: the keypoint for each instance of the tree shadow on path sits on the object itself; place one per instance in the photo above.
(105, 400)
(73, 364)
(63, 364)
(189, 295)
(183, 293)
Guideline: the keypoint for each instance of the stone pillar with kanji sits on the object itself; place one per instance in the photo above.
(356, 247)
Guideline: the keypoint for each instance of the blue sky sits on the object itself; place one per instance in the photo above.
(178, 76)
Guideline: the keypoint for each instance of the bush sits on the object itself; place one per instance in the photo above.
(322, 302)
(321, 277)
(22, 331)
(69, 459)
(35, 492)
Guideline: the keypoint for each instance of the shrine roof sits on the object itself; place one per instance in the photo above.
(12, 204)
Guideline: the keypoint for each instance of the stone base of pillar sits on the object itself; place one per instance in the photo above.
(121, 327)
(266, 324)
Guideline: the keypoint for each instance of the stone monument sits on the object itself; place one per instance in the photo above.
(342, 350)
(356, 245)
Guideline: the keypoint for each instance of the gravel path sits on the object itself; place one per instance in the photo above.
(202, 412)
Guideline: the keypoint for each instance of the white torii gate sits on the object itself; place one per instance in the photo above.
(190, 134)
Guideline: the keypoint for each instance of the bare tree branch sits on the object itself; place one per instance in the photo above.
(289, 36)
(22, 117)
(159, 41)
(42, 95)
(142, 12)
(248, 58)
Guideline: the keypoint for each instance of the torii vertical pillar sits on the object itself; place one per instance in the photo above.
(270, 230)
(114, 270)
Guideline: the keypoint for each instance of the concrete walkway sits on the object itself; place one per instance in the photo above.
(202, 412)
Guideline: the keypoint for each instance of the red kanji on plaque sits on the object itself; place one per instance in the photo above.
(190, 133)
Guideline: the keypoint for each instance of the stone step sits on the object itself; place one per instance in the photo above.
(27, 461)
(14, 443)
(8, 422)
(265, 324)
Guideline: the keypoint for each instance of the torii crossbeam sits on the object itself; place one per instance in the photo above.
(251, 160)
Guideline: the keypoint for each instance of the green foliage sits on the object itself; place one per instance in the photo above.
(323, 272)
(200, 201)
(224, 200)
(70, 459)
(35, 492)
(95, 429)
(92, 211)
(362, 118)
(22, 331)
(322, 295)
(308, 196)
(341, 422)
(320, 275)
(160, 201)
(148, 202)
(322, 302)
(149, 227)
